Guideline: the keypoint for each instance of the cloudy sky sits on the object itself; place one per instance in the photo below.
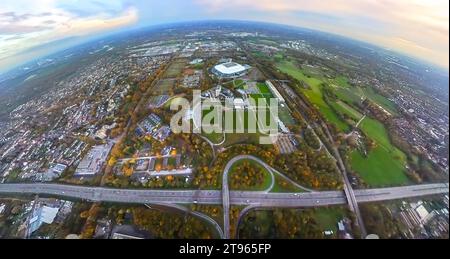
(419, 28)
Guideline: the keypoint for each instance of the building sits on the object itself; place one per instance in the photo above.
(129, 232)
(93, 161)
(239, 103)
(44, 214)
(196, 61)
(275, 92)
(229, 70)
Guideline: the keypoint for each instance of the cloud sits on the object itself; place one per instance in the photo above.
(48, 21)
(416, 27)
(422, 25)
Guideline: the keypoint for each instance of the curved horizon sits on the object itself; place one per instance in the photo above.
(27, 27)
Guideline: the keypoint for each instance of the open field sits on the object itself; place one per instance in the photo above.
(284, 186)
(215, 138)
(328, 217)
(263, 88)
(175, 69)
(314, 94)
(285, 116)
(385, 165)
(380, 100)
(163, 86)
(379, 168)
(346, 109)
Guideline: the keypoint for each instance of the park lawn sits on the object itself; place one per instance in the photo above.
(327, 217)
(279, 56)
(263, 88)
(285, 116)
(315, 95)
(244, 138)
(267, 177)
(342, 81)
(349, 95)
(175, 69)
(385, 164)
(346, 109)
(283, 186)
(214, 137)
(238, 82)
(379, 168)
(377, 132)
(380, 100)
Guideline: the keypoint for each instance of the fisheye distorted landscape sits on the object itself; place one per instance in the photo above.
(212, 119)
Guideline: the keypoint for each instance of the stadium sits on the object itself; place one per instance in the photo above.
(229, 70)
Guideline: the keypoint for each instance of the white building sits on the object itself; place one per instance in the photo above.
(239, 103)
(229, 70)
(275, 92)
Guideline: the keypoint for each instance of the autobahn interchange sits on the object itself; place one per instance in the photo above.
(250, 199)
(309, 199)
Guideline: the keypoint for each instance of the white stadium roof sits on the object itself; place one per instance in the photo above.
(230, 68)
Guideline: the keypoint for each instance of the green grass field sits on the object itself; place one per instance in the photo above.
(215, 138)
(346, 109)
(380, 168)
(263, 88)
(380, 100)
(314, 94)
(348, 95)
(285, 116)
(385, 165)
(342, 81)
(283, 186)
(327, 218)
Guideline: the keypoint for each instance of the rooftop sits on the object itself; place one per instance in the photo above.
(230, 68)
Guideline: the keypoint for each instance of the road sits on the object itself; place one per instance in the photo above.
(262, 199)
(310, 199)
(226, 189)
(194, 213)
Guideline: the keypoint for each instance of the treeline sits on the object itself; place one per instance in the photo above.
(280, 224)
(310, 168)
(170, 225)
(246, 176)
(379, 219)
(207, 177)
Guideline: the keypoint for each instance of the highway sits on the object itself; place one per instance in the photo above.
(261, 199)
(226, 191)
